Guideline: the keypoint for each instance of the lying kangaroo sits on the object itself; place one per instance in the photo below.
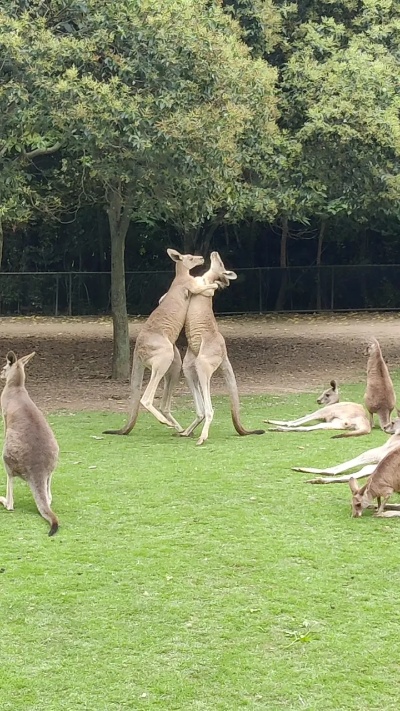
(329, 396)
(207, 352)
(379, 397)
(340, 416)
(30, 449)
(367, 460)
(155, 344)
(381, 485)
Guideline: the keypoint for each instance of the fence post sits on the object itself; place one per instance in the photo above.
(69, 294)
(56, 304)
(260, 304)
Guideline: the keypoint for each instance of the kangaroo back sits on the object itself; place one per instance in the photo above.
(379, 395)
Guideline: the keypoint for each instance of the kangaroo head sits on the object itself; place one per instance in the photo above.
(217, 272)
(361, 498)
(329, 396)
(189, 261)
(393, 427)
(14, 365)
(372, 347)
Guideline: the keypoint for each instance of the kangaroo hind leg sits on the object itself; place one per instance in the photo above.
(205, 369)
(384, 417)
(192, 379)
(159, 364)
(8, 499)
(171, 380)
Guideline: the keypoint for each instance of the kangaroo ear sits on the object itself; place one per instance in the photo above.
(333, 384)
(353, 485)
(25, 359)
(230, 275)
(174, 254)
(11, 357)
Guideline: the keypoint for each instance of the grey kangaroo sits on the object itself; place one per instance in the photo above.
(155, 344)
(379, 397)
(30, 449)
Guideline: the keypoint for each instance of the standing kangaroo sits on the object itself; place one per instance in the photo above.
(207, 352)
(155, 344)
(379, 397)
(30, 449)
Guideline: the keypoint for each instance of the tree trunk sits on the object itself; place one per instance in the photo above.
(119, 218)
(321, 235)
(283, 262)
(207, 239)
(213, 226)
(189, 241)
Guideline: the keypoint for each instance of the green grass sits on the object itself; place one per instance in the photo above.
(199, 578)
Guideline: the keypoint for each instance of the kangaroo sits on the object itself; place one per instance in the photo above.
(381, 485)
(30, 449)
(367, 460)
(207, 352)
(155, 344)
(379, 397)
(340, 416)
(329, 396)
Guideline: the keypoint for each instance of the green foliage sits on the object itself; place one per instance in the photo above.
(260, 23)
(191, 114)
(340, 101)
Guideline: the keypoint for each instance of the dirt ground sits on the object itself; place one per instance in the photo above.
(270, 354)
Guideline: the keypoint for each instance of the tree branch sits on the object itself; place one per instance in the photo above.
(42, 151)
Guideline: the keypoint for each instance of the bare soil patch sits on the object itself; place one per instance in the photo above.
(270, 354)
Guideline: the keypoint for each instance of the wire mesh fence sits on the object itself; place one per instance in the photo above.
(257, 290)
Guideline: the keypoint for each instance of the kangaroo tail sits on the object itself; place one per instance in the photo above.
(136, 387)
(42, 503)
(230, 380)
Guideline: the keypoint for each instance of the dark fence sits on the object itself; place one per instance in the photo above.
(257, 290)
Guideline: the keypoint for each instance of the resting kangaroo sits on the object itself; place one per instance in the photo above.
(340, 416)
(379, 397)
(30, 449)
(367, 460)
(381, 485)
(329, 396)
(155, 344)
(207, 352)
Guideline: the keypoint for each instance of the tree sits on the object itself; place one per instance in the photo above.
(26, 133)
(151, 102)
(339, 112)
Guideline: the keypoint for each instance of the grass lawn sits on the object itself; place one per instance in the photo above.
(199, 578)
